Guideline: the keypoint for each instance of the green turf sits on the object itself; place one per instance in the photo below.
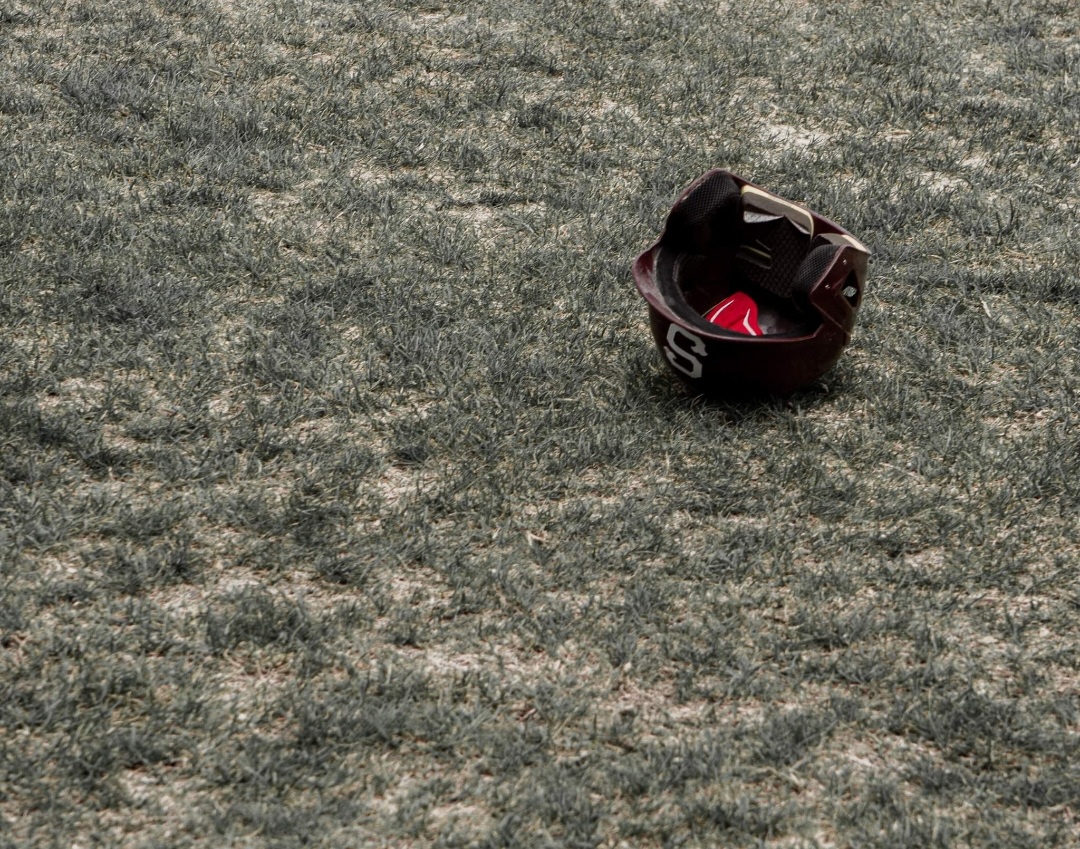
(345, 501)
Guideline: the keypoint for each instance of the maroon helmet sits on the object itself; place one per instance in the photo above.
(748, 292)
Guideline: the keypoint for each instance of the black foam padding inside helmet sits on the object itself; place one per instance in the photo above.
(771, 252)
(708, 218)
(713, 237)
(811, 270)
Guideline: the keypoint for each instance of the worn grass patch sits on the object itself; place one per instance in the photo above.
(345, 501)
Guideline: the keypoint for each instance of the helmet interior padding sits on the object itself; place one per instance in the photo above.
(714, 245)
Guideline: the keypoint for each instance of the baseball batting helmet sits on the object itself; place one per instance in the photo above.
(748, 292)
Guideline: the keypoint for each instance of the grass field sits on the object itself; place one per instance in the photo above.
(345, 501)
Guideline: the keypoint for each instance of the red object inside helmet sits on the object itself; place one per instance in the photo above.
(737, 312)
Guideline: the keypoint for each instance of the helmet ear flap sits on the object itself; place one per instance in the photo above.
(810, 271)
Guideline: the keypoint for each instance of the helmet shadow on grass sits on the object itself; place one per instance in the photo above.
(670, 394)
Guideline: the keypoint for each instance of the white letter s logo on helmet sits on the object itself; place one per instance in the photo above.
(692, 365)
